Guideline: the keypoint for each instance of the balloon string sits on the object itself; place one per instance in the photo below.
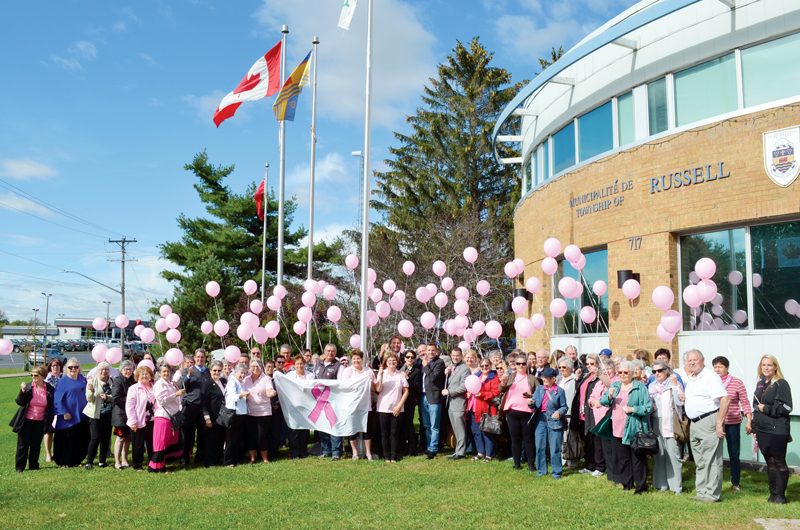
(541, 311)
(635, 325)
(288, 333)
(319, 340)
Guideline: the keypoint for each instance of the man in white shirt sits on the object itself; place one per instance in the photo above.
(706, 406)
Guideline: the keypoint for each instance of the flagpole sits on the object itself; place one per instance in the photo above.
(311, 187)
(282, 173)
(264, 236)
(365, 225)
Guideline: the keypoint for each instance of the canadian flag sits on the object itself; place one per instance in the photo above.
(263, 80)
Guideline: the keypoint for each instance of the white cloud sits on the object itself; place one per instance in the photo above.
(148, 59)
(330, 169)
(206, 105)
(12, 201)
(84, 50)
(402, 59)
(119, 27)
(67, 64)
(80, 51)
(20, 240)
(130, 15)
(25, 169)
(325, 233)
(155, 102)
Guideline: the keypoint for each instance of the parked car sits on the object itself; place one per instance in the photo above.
(45, 355)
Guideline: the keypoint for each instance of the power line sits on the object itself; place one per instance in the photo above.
(27, 259)
(42, 279)
(47, 220)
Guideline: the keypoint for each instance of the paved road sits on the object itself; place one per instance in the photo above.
(16, 360)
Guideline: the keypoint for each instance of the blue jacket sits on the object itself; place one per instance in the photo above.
(559, 404)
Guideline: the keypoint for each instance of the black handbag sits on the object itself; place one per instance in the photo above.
(644, 443)
(225, 418)
(178, 419)
(490, 424)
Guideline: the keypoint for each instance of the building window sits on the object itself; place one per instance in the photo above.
(766, 73)
(706, 90)
(534, 168)
(775, 249)
(625, 122)
(657, 106)
(527, 185)
(545, 161)
(564, 148)
(596, 269)
(728, 310)
(596, 132)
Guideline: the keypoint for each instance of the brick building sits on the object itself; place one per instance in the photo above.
(668, 135)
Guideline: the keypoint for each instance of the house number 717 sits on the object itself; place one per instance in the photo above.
(636, 243)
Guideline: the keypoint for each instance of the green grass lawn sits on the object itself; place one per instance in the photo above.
(414, 493)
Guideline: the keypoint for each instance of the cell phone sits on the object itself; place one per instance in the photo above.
(526, 394)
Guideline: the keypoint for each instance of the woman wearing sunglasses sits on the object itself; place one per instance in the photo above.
(413, 373)
(72, 427)
(35, 402)
(667, 463)
(517, 408)
(481, 403)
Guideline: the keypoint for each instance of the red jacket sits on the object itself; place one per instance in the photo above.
(490, 389)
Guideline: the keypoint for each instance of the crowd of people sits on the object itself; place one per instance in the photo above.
(613, 412)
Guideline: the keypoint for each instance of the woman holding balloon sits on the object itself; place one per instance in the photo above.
(166, 441)
(482, 389)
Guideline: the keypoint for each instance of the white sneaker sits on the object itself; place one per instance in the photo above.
(584, 471)
(597, 473)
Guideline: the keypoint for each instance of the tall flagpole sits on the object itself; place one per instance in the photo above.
(367, 175)
(311, 187)
(281, 182)
(264, 236)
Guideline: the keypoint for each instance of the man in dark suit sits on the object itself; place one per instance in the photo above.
(192, 379)
(433, 379)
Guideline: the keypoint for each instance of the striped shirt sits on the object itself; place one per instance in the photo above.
(739, 402)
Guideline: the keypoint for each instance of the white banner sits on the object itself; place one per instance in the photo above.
(348, 10)
(337, 407)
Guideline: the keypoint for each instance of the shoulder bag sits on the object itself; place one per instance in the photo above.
(490, 424)
(644, 443)
(680, 425)
(604, 428)
(225, 417)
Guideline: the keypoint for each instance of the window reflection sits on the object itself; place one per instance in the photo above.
(596, 268)
(776, 274)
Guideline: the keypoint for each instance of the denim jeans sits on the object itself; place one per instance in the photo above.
(431, 419)
(544, 435)
(484, 441)
(331, 445)
(732, 435)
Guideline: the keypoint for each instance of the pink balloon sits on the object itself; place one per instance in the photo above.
(510, 269)
(389, 287)
(735, 277)
(256, 306)
(355, 341)
(552, 247)
(439, 268)
(526, 328)
(599, 287)
(334, 314)
(370, 290)
(757, 279)
(308, 299)
(447, 283)
(232, 354)
(717, 300)
(690, 296)
(329, 292)
(461, 307)
(493, 329)
(174, 356)
(740, 317)
(400, 294)
(440, 300)
(99, 323)
(408, 269)
(376, 295)
(274, 303)
(470, 255)
(173, 320)
(483, 287)
(461, 321)
(631, 289)
(663, 334)
(221, 328)
(299, 327)
(372, 276)
(146, 362)
(470, 335)
(147, 335)
(250, 286)
(706, 290)
(533, 285)
(588, 314)
(405, 328)
(671, 321)
(173, 336)
(121, 321)
(558, 307)
(113, 355)
(519, 305)
(164, 310)
(99, 353)
(693, 277)
(161, 325)
(462, 293)
(473, 384)
(717, 310)
(138, 330)
(273, 329)
(212, 289)
(432, 289)
(383, 309)
(351, 261)
(520, 263)
(397, 302)
(578, 290)
(663, 297)
(580, 264)
(549, 266)
(304, 315)
(260, 335)
(372, 318)
(279, 291)
(538, 321)
(791, 306)
(6, 347)
(568, 287)
(572, 253)
(423, 295)
(705, 268)
(479, 327)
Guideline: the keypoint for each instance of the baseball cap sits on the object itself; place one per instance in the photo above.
(605, 352)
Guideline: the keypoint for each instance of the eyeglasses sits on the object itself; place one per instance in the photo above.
(624, 373)
(409, 357)
(280, 362)
(563, 368)
(72, 367)
(659, 370)
(522, 364)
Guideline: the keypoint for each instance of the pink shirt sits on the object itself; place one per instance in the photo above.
(391, 391)
(619, 416)
(38, 404)
(546, 399)
(514, 398)
(597, 392)
(258, 404)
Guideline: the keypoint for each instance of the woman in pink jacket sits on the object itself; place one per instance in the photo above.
(140, 409)
(166, 442)
(606, 379)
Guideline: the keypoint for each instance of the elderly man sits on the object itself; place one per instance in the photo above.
(542, 356)
(193, 379)
(578, 367)
(288, 364)
(706, 406)
(456, 393)
(433, 380)
(255, 353)
(329, 368)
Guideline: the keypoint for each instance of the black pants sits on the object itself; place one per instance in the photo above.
(630, 467)
(408, 435)
(232, 455)
(258, 428)
(423, 438)
(100, 435)
(588, 447)
(29, 444)
(215, 442)
(521, 431)
(275, 430)
(609, 456)
(143, 436)
(70, 445)
(390, 434)
(298, 443)
(194, 423)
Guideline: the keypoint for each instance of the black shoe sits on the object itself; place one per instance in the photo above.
(455, 457)
(19, 471)
(780, 499)
(516, 466)
(184, 462)
(101, 464)
(88, 466)
(431, 455)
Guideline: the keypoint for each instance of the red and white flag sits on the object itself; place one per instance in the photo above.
(263, 79)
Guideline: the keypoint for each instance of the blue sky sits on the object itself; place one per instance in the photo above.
(105, 102)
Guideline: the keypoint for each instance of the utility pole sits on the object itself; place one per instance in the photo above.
(46, 315)
(122, 242)
(33, 327)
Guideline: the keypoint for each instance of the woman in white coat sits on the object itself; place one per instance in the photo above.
(667, 463)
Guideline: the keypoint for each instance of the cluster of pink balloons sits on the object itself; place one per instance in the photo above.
(703, 290)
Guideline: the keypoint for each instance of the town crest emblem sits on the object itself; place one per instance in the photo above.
(780, 157)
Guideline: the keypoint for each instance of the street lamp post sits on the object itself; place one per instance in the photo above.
(33, 325)
(46, 316)
(108, 315)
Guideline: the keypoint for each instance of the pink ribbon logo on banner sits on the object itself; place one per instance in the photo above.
(322, 404)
